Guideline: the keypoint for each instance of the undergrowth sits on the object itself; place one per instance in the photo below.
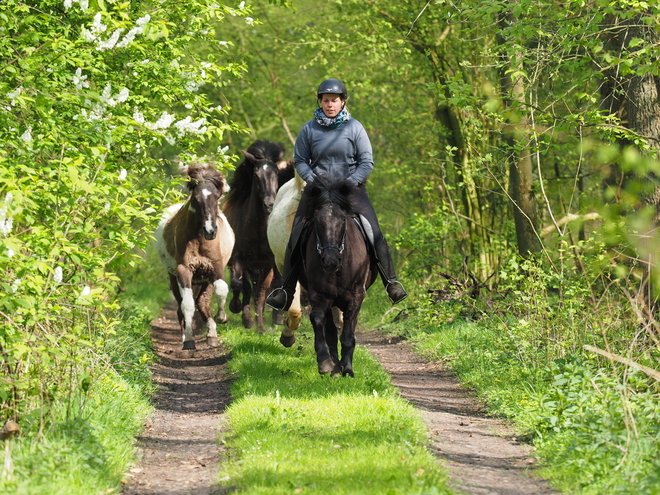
(594, 423)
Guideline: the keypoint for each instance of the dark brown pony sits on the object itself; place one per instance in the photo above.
(194, 242)
(249, 202)
(338, 271)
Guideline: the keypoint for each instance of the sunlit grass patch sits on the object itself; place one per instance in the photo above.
(294, 431)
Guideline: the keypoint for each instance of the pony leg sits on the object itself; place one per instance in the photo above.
(292, 321)
(237, 276)
(246, 308)
(323, 358)
(187, 307)
(331, 338)
(348, 342)
(262, 285)
(221, 292)
(204, 305)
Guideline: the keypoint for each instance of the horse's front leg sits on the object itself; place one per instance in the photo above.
(323, 358)
(262, 284)
(331, 338)
(237, 275)
(221, 293)
(187, 304)
(246, 307)
(348, 338)
(292, 320)
(203, 303)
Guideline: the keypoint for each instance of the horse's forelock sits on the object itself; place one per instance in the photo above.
(322, 191)
(205, 173)
(263, 149)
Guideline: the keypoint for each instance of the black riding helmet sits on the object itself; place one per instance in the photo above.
(332, 86)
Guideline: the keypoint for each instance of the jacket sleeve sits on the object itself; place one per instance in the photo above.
(363, 156)
(302, 156)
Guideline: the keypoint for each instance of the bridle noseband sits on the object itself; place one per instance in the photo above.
(320, 249)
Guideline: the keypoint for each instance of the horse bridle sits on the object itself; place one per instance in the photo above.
(320, 249)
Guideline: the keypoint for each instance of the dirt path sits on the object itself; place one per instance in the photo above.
(482, 454)
(180, 454)
(179, 448)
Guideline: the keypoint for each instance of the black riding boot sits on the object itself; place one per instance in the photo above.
(282, 297)
(394, 288)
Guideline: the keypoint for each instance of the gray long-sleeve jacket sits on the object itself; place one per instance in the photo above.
(339, 153)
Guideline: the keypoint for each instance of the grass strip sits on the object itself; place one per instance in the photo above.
(295, 431)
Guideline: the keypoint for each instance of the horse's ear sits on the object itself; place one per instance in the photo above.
(183, 170)
(249, 156)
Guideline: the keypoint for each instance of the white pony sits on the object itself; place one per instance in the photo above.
(279, 230)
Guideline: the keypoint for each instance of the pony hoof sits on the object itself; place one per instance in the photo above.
(189, 345)
(222, 321)
(235, 305)
(326, 366)
(248, 322)
(212, 341)
(287, 341)
(348, 373)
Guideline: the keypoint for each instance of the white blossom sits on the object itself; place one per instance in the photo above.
(79, 80)
(249, 21)
(123, 174)
(68, 4)
(163, 122)
(188, 126)
(57, 275)
(12, 95)
(8, 197)
(123, 95)
(170, 139)
(142, 21)
(15, 284)
(27, 135)
(223, 43)
(241, 6)
(138, 117)
(97, 25)
(110, 43)
(86, 291)
(10, 252)
(84, 5)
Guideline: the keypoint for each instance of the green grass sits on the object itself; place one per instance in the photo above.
(295, 431)
(595, 426)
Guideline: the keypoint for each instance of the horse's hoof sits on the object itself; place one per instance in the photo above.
(348, 372)
(222, 321)
(287, 341)
(326, 366)
(189, 345)
(248, 322)
(212, 341)
(235, 305)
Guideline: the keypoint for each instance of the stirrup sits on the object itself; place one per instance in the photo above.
(392, 285)
(274, 300)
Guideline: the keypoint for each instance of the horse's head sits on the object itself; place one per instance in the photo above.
(206, 186)
(265, 179)
(329, 206)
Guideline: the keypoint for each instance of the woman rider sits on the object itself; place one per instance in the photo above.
(336, 146)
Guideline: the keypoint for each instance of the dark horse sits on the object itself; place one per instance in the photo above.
(338, 271)
(194, 242)
(250, 200)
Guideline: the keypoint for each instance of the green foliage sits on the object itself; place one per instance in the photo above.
(292, 429)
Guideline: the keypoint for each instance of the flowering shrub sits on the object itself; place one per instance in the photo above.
(88, 90)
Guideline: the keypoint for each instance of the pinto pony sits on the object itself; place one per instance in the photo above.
(338, 270)
(194, 242)
(248, 206)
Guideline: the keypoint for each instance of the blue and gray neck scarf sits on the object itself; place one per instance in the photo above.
(332, 122)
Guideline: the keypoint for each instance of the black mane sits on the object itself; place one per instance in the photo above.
(321, 191)
(241, 182)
